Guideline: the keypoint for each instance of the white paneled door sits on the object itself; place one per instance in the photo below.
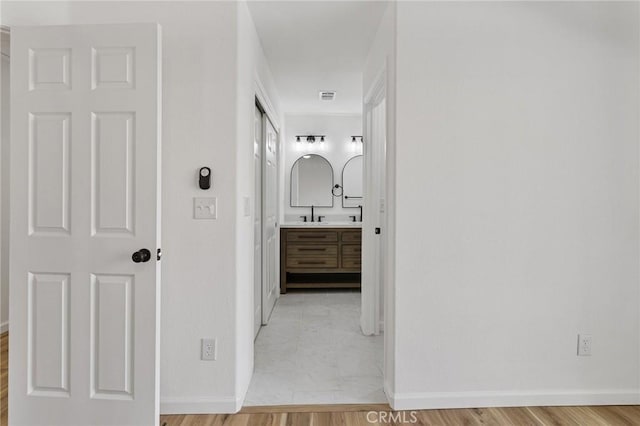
(85, 215)
(270, 287)
(257, 220)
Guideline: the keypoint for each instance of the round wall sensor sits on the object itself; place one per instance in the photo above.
(205, 178)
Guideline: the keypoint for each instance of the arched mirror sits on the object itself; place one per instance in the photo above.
(352, 183)
(311, 182)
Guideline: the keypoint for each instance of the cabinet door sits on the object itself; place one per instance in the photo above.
(354, 236)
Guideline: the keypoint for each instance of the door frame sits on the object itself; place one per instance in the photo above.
(373, 283)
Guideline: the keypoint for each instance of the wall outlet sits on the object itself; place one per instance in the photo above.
(584, 345)
(208, 350)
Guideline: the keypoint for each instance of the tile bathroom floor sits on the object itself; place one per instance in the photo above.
(313, 352)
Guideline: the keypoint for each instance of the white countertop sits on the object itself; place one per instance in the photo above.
(321, 225)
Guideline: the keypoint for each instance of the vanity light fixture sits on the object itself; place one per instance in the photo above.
(355, 138)
(310, 138)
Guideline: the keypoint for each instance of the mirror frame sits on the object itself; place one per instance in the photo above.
(291, 182)
(343, 195)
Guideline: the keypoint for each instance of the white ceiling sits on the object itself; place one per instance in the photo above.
(317, 45)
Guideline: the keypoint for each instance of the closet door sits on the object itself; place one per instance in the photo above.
(257, 220)
(270, 286)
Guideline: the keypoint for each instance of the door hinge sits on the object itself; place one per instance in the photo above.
(159, 255)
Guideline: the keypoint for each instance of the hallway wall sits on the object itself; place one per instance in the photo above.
(517, 203)
(4, 204)
(202, 277)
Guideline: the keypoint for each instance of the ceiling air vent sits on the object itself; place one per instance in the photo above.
(327, 95)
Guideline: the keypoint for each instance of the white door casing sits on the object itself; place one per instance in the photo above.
(85, 195)
(270, 287)
(257, 220)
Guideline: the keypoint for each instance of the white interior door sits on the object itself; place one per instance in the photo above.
(373, 249)
(85, 196)
(270, 288)
(257, 220)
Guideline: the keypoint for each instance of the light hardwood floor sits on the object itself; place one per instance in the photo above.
(357, 415)
(353, 415)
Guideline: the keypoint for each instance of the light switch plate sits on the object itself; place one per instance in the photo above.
(205, 208)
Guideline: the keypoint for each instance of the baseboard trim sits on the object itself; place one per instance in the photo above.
(388, 392)
(200, 405)
(4, 327)
(435, 400)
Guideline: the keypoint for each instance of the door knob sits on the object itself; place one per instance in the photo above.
(142, 255)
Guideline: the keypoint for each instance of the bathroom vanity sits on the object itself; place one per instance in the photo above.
(321, 256)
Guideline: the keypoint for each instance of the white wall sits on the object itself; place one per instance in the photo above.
(4, 204)
(337, 149)
(517, 203)
(253, 75)
(201, 279)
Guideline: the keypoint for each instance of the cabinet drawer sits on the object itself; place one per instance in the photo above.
(320, 250)
(352, 236)
(312, 236)
(351, 263)
(313, 262)
(352, 250)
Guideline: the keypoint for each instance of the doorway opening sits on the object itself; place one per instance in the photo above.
(320, 340)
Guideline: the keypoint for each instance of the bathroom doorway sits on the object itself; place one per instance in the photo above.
(323, 343)
(314, 350)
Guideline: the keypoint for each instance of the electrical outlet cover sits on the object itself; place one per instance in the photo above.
(584, 344)
(208, 350)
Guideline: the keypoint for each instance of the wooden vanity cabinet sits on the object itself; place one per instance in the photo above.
(320, 258)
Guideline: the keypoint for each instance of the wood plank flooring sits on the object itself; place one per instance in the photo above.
(359, 415)
(352, 416)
